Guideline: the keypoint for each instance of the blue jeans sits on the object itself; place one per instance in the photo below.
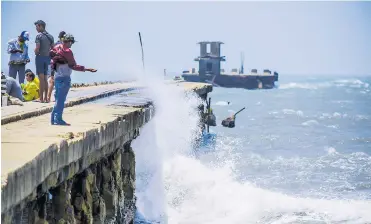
(18, 68)
(62, 86)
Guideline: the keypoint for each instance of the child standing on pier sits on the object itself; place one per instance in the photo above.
(63, 62)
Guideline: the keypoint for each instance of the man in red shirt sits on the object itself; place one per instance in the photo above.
(63, 62)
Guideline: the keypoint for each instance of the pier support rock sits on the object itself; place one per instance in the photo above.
(102, 193)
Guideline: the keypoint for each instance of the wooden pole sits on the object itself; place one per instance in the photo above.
(141, 45)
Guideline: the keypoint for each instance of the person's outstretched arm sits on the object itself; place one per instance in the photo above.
(73, 65)
(72, 62)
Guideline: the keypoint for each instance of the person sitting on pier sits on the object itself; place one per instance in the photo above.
(30, 90)
(36, 80)
(63, 62)
(13, 88)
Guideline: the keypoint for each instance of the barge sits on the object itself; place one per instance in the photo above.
(210, 71)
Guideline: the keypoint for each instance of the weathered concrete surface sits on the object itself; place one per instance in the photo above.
(199, 88)
(37, 157)
(82, 95)
(33, 151)
(76, 96)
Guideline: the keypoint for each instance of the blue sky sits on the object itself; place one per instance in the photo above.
(300, 38)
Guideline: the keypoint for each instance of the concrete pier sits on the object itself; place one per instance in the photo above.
(84, 173)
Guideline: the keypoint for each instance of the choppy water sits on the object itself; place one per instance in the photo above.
(300, 153)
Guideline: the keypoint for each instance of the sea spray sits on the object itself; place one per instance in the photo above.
(318, 84)
(173, 187)
(169, 133)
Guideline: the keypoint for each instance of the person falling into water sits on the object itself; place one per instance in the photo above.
(63, 62)
(44, 43)
(51, 78)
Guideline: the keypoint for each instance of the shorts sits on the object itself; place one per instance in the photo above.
(42, 64)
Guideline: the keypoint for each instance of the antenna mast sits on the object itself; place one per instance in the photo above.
(242, 61)
(141, 45)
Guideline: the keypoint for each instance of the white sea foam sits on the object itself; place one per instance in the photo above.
(174, 187)
(333, 126)
(222, 103)
(330, 150)
(336, 115)
(294, 85)
(310, 123)
(294, 112)
(352, 83)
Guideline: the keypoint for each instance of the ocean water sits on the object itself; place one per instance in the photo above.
(300, 153)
